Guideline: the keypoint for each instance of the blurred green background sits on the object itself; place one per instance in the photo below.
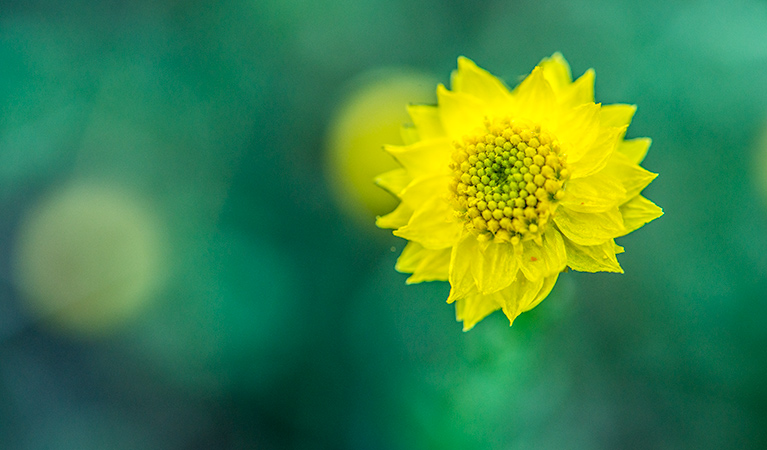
(181, 271)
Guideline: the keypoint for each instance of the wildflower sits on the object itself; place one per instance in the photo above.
(500, 191)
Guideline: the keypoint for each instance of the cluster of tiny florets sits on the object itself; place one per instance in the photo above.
(507, 179)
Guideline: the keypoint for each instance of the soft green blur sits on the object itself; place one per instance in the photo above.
(178, 271)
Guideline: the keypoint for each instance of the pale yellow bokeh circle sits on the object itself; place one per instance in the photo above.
(371, 116)
(87, 258)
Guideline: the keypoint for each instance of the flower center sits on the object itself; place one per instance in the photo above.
(508, 180)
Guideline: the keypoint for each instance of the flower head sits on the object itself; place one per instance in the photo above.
(501, 190)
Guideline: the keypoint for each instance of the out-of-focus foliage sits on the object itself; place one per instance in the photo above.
(274, 320)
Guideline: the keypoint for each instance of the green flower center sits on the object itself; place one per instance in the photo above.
(508, 179)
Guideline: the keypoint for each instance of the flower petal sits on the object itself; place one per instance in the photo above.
(590, 228)
(595, 159)
(592, 258)
(639, 211)
(519, 295)
(424, 189)
(426, 120)
(478, 82)
(577, 128)
(539, 261)
(617, 115)
(422, 157)
(534, 98)
(543, 292)
(433, 225)
(635, 149)
(556, 70)
(461, 114)
(595, 193)
(409, 134)
(409, 258)
(580, 92)
(633, 177)
(475, 307)
(558, 74)
(425, 264)
(495, 267)
(394, 181)
(395, 219)
(461, 280)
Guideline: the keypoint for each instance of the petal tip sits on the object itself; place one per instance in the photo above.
(558, 58)
(464, 62)
(537, 72)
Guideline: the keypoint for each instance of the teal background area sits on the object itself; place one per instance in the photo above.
(281, 323)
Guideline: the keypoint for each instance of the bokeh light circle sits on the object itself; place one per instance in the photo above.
(370, 116)
(87, 258)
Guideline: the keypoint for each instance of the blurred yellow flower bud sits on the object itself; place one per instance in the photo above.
(371, 115)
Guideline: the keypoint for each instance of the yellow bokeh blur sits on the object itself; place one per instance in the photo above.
(370, 116)
(87, 258)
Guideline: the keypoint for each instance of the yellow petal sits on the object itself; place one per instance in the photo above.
(595, 193)
(558, 74)
(409, 134)
(595, 159)
(580, 92)
(635, 149)
(556, 70)
(543, 292)
(534, 99)
(461, 280)
(592, 258)
(539, 261)
(617, 115)
(461, 114)
(495, 267)
(433, 225)
(589, 228)
(409, 258)
(425, 264)
(395, 219)
(577, 128)
(424, 189)
(519, 295)
(639, 211)
(475, 307)
(423, 157)
(633, 177)
(478, 82)
(394, 181)
(426, 120)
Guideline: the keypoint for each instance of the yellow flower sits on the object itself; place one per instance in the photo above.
(501, 190)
